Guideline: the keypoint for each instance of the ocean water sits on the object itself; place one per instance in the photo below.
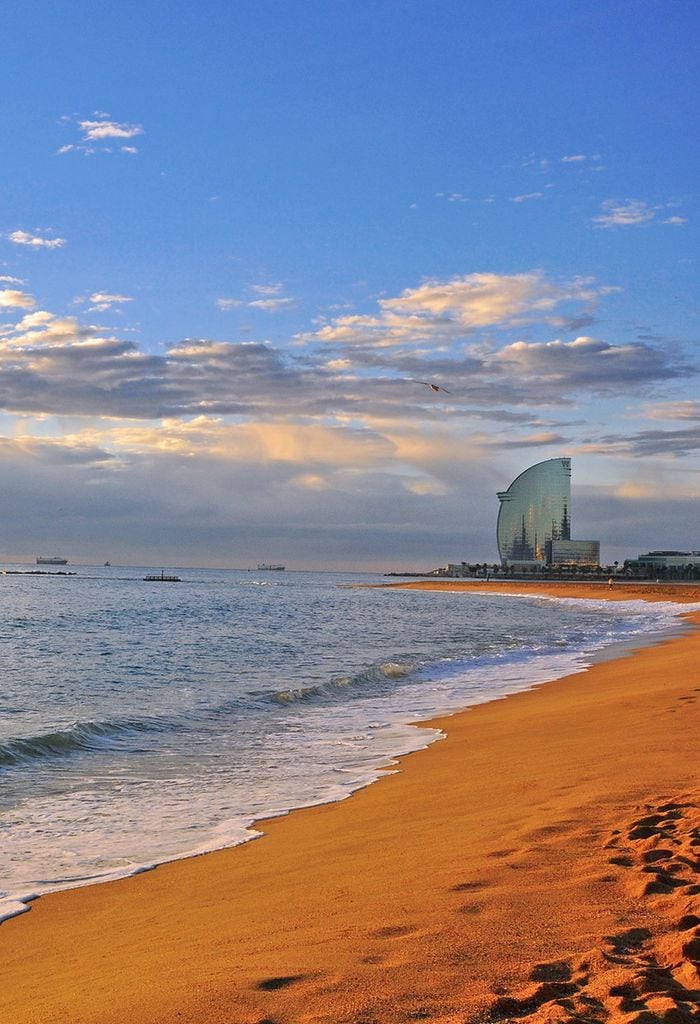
(143, 722)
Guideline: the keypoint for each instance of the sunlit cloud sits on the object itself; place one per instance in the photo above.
(682, 410)
(107, 129)
(98, 132)
(7, 279)
(35, 241)
(444, 310)
(12, 298)
(653, 489)
(434, 488)
(252, 443)
(312, 482)
(315, 407)
(67, 450)
(590, 362)
(101, 301)
(526, 197)
(29, 321)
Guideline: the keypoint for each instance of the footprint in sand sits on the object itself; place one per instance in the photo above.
(638, 974)
(281, 981)
(630, 941)
(471, 908)
(622, 861)
(553, 970)
(393, 931)
(469, 886)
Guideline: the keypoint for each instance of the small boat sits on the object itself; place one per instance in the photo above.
(53, 560)
(268, 567)
(161, 578)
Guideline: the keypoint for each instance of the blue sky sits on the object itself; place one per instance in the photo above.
(233, 236)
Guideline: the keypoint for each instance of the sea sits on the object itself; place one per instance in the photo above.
(142, 722)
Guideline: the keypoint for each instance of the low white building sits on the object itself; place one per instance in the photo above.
(659, 560)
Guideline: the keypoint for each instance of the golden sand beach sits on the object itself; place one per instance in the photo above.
(538, 864)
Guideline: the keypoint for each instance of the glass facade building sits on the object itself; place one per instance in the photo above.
(573, 552)
(535, 510)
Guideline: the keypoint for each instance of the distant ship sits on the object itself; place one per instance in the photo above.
(53, 560)
(161, 578)
(266, 567)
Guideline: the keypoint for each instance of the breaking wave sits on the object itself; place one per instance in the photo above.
(381, 673)
(82, 737)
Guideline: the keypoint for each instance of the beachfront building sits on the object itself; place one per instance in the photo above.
(668, 564)
(573, 552)
(534, 520)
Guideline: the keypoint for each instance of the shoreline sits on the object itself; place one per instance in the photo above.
(23, 898)
(130, 942)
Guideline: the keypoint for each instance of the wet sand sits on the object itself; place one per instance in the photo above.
(539, 864)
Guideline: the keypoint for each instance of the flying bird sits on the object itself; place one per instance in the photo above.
(433, 387)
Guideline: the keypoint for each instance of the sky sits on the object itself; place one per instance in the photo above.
(238, 242)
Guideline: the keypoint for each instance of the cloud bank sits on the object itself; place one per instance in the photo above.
(334, 428)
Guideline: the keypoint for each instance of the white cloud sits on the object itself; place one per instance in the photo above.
(272, 305)
(7, 279)
(35, 241)
(96, 132)
(626, 213)
(576, 158)
(11, 298)
(266, 289)
(528, 195)
(451, 197)
(102, 301)
(107, 129)
(675, 220)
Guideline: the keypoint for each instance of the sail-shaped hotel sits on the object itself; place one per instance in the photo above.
(534, 521)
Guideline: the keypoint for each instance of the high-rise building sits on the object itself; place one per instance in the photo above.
(534, 519)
